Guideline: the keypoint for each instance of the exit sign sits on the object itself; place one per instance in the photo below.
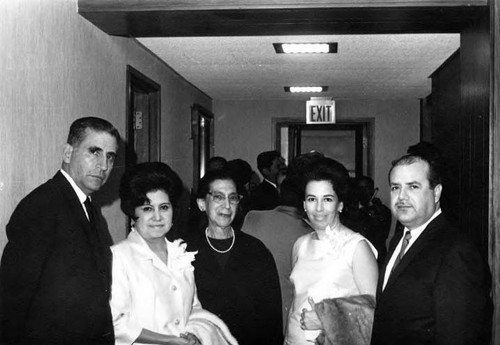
(320, 111)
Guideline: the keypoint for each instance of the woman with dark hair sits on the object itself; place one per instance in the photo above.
(236, 276)
(329, 264)
(153, 297)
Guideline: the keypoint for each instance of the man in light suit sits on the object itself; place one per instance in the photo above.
(55, 270)
(278, 229)
(434, 287)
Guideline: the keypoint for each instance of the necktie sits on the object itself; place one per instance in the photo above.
(99, 248)
(406, 241)
(90, 212)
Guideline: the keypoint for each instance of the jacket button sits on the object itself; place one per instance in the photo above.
(177, 322)
(174, 288)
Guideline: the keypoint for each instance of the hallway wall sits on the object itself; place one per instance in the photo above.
(244, 129)
(56, 67)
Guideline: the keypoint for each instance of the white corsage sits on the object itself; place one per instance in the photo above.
(178, 257)
(337, 240)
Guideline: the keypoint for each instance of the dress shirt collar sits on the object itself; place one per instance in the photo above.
(415, 234)
(81, 195)
(419, 229)
(272, 184)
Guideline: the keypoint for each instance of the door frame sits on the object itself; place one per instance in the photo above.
(367, 125)
(202, 121)
(138, 80)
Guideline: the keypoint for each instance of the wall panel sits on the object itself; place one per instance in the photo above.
(56, 67)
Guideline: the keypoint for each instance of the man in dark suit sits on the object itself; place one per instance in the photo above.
(434, 287)
(55, 270)
(272, 167)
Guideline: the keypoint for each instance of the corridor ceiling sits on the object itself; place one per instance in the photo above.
(386, 48)
(365, 67)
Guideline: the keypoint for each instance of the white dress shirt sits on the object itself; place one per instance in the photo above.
(81, 195)
(271, 183)
(415, 233)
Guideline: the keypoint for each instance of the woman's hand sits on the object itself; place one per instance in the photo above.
(151, 337)
(173, 340)
(308, 318)
(191, 338)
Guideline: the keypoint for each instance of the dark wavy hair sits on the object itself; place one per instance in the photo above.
(210, 177)
(436, 167)
(266, 159)
(77, 131)
(143, 178)
(328, 169)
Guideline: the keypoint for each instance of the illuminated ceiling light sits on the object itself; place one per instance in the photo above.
(305, 48)
(306, 89)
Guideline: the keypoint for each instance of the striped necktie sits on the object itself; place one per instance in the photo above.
(404, 245)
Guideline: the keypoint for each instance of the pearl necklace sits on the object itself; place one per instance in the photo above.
(220, 251)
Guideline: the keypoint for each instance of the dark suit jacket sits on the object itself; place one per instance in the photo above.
(264, 197)
(438, 294)
(55, 275)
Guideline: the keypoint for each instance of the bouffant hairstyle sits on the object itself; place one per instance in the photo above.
(328, 169)
(143, 178)
(210, 177)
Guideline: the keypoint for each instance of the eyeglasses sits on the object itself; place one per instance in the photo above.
(219, 198)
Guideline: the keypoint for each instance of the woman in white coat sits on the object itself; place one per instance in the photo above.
(153, 292)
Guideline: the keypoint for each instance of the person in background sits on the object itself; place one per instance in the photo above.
(55, 274)
(280, 227)
(272, 167)
(330, 263)
(153, 296)
(378, 216)
(435, 286)
(216, 163)
(241, 172)
(235, 273)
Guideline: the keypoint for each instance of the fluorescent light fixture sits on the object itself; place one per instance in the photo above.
(306, 89)
(305, 48)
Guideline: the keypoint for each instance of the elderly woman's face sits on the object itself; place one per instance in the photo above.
(322, 204)
(154, 218)
(220, 210)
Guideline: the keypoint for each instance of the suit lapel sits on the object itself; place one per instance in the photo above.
(393, 244)
(97, 244)
(422, 242)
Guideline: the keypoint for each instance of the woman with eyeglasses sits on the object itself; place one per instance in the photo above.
(235, 273)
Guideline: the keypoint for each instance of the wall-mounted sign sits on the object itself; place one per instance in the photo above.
(320, 111)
